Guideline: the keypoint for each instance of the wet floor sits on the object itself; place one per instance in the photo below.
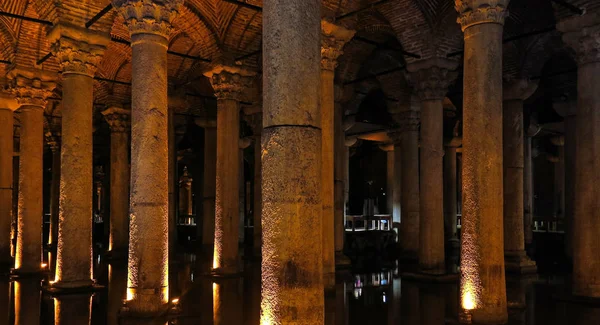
(379, 297)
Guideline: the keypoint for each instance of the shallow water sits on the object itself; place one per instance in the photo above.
(376, 298)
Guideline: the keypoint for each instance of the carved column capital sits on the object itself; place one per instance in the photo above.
(8, 101)
(53, 138)
(431, 78)
(118, 119)
(31, 87)
(518, 89)
(229, 82)
(350, 141)
(78, 50)
(149, 16)
(453, 142)
(186, 180)
(475, 12)
(333, 39)
(582, 34)
(255, 122)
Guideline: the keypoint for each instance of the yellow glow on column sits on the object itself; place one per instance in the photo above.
(468, 299)
(130, 294)
(470, 285)
(218, 248)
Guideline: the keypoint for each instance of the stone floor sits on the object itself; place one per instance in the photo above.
(362, 296)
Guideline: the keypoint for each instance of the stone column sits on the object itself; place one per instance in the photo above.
(79, 51)
(515, 93)
(149, 24)
(582, 33)
(338, 189)
(348, 143)
(292, 262)
(389, 187)
(450, 190)
(255, 121)
(244, 143)
(559, 177)
(185, 194)
(119, 121)
(228, 83)
(7, 106)
(531, 131)
(568, 110)
(333, 39)
(483, 287)
(406, 149)
(53, 139)
(208, 189)
(431, 79)
(31, 88)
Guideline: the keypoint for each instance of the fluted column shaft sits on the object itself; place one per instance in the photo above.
(291, 145)
(7, 106)
(119, 121)
(582, 33)
(483, 286)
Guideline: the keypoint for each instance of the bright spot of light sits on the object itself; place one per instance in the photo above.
(384, 298)
(468, 300)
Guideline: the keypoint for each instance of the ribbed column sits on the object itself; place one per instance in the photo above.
(255, 122)
(79, 51)
(483, 287)
(31, 88)
(228, 83)
(292, 263)
(450, 191)
(333, 39)
(582, 33)
(208, 186)
(149, 24)
(431, 79)
(515, 92)
(7, 106)
(119, 121)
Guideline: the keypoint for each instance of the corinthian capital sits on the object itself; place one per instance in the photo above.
(474, 12)
(118, 119)
(31, 87)
(582, 34)
(333, 39)
(78, 50)
(229, 82)
(518, 89)
(431, 78)
(149, 16)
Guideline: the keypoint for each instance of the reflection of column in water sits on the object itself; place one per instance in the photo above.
(410, 303)
(4, 301)
(394, 304)
(227, 302)
(341, 302)
(252, 295)
(27, 302)
(117, 287)
(432, 304)
(73, 309)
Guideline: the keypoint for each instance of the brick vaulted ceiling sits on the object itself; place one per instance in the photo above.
(215, 28)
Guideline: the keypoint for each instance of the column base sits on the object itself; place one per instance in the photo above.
(71, 287)
(28, 273)
(430, 277)
(519, 263)
(342, 261)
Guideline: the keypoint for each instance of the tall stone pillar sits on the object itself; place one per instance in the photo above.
(119, 121)
(559, 177)
(31, 89)
(450, 190)
(7, 106)
(406, 150)
(348, 143)
(528, 190)
(255, 121)
(338, 188)
(483, 287)
(149, 24)
(515, 93)
(228, 83)
(582, 33)
(244, 143)
(389, 187)
(79, 51)
(185, 194)
(568, 111)
(53, 139)
(431, 79)
(208, 189)
(291, 145)
(333, 39)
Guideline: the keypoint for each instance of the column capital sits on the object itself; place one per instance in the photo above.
(475, 12)
(455, 142)
(558, 140)
(582, 34)
(118, 119)
(255, 122)
(78, 50)
(245, 142)
(149, 16)
(186, 179)
(31, 87)
(229, 82)
(431, 78)
(518, 89)
(8, 101)
(53, 140)
(396, 136)
(387, 147)
(350, 141)
(333, 39)
(408, 120)
(206, 122)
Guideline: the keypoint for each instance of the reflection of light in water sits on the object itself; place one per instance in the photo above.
(384, 298)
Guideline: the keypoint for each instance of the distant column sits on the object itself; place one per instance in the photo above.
(450, 189)
(53, 139)
(255, 121)
(389, 191)
(208, 189)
